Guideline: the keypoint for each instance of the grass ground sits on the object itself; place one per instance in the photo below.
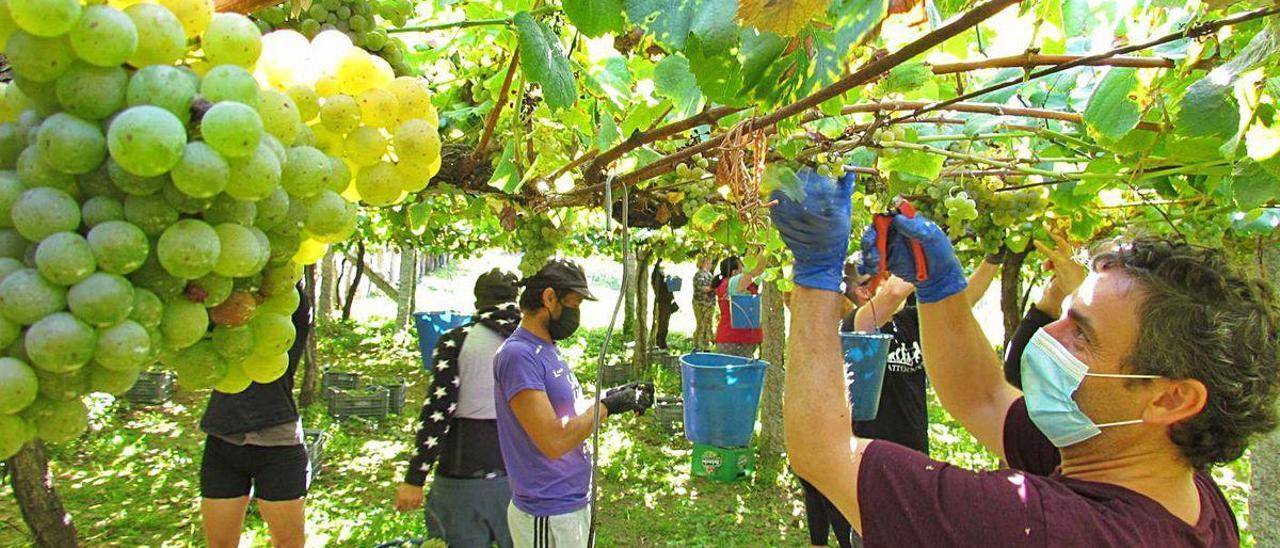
(132, 481)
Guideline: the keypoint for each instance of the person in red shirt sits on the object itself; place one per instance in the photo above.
(733, 281)
(1162, 364)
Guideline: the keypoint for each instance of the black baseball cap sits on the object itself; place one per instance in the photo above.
(561, 274)
(496, 287)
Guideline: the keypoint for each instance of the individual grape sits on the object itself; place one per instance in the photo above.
(59, 343)
(122, 346)
(235, 380)
(365, 146)
(280, 279)
(7, 26)
(232, 39)
(25, 297)
(230, 83)
(266, 369)
(183, 323)
(12, 143)
(71, 145)
(240, 251)
(254, 177)
(202, 172)
(414, 100)
(340, 114)
(104, 37)
(331, 143)
(233, 343)
(152, 277)
(272, 209)
(416, 140)
(199, 366)
(18, 386)
(378, 185)
(38, 59)
(416, 174)
(165, 87)
(147, 308)
(195, 15)
(146, 140)
(306, 100)
(280, 116)
(40, 212)
(277, 148)
(211, 290)
(90, 92)
(35, 171)
(378, 108)
(330, 217)
(45, 17)
(305, 138)
(226, 209)
(116, 383)
(65, 258)
(188, 249)
(272, 334)
(152, 213)
(304, 171)
(233, 129)
(284, 302)
(161, 38)
(13, 245)
(118, 247)
(340, 175)
(327, 86)
(101, 299)
(58, 421)
(133, 184)
(60, 387)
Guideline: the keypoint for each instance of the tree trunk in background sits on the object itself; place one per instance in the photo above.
(1011, 305)
(629, 293)
(773, 349)
(310, 365)
(355, 282)
(407, 285)
(640, 357)
(328, 281)
(38, 499)
(1264, 505)
(381, 283)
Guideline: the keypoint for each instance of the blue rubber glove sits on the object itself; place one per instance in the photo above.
(817, 228)
(946, 277)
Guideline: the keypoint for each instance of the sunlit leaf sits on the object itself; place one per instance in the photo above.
(544, 62)
(595, 17)
(784, 17)
(1112, 112)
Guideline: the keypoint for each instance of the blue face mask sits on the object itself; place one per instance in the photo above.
(1050, 375)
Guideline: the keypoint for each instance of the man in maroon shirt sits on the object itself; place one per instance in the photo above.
(1163, 364)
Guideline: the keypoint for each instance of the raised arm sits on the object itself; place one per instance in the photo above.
(554, 436)
(880, 309)
(749, 277)
(980, 281)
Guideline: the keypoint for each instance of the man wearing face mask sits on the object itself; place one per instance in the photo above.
(1162, 365)
(543, 420)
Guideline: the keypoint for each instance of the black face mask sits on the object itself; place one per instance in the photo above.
(564, 326)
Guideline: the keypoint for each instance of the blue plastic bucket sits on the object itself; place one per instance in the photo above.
(430, 326)
(865, 356)
(721, 398)
(674, 284)
(744, 311)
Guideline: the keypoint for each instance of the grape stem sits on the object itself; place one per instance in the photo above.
(492, 122)
(465, 23)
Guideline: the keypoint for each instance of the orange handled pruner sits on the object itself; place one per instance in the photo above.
(883, 223)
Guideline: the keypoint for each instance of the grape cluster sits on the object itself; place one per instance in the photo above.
(830, 164)
(358, 19)
(538, 238)
(960, 209)
(698, 186)
(1009, 218)
(157, 213)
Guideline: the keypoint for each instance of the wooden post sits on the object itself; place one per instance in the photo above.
(38, 499)
(628, 290)
(773, 349)
(407, 281)
(640, 357)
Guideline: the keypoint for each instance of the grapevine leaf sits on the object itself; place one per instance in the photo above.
(783, 179)
(595, 17)
(1264, 44)
(719, 75)
(505, 176)
(784, 17)
(419, 217)
(1207, 110)
(1112, 112)
(759, 50)
(668, 21)
(713, 25)
(642, 116)
(857, 18)
(708, 217)
(672, 79)
(543, 62)
(1253, 185)
(1263, 138)
(913, 162)
(608, 133)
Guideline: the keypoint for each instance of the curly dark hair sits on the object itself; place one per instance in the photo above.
(1200, 319)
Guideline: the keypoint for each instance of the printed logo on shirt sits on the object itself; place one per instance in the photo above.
(904, 359)
(558, 373)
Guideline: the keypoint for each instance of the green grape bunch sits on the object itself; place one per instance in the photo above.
(358, 19)
(537, 237)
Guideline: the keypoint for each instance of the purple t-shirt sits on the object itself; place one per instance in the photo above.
(539, 486)
(908, 499)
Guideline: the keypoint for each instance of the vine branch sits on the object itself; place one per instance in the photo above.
(466, 23)
(492, 122)
(1035, 60)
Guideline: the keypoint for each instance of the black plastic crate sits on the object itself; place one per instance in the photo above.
(339, 379)
(396, 388)
(152, 387)
(371, 402)
(616, 374)
(315, 440)
(668, 413)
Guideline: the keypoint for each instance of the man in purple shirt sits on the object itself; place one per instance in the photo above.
(1162, 365)
(543, 420)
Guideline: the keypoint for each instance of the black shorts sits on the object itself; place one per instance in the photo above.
(275, 473)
